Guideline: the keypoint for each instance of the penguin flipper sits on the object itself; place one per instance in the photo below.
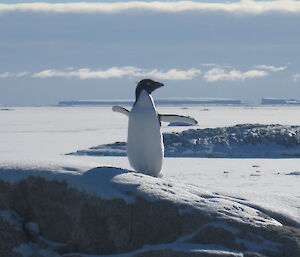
(120, 109)
(177, 118)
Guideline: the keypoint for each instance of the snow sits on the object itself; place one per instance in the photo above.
(36, 139)
(98, 183)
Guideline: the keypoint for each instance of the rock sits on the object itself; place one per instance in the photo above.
(173, 253)
(268, 239)
(11, 234)
(66, 214)
(179, 124)
(212, 234)
(251, 254)
(240, 141)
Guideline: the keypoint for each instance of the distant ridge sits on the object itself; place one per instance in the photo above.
(168, 101)
(289, 101)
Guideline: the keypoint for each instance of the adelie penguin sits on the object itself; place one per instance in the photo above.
(145, 149)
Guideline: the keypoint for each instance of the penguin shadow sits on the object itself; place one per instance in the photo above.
(105, 173)
(104, 179)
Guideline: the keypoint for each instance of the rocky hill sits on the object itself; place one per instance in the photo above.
(65, 211)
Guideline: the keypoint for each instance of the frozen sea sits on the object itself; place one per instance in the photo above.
(44, 134)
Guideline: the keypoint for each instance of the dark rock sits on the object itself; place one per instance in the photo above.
(93, 225)
(211, 234)
(173, 253)
(11, 235)
(251, 254)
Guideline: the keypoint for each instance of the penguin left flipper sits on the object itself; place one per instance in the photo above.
(162, 117)
(120, 109)
(177, 118)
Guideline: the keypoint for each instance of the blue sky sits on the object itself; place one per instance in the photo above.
(244, 50)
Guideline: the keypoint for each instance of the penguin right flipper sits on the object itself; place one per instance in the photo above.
(120, 110)
(177, 118)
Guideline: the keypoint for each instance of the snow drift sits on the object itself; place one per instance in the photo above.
(240, 141)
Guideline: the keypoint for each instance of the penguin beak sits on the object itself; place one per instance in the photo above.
(155, 85)
(158, 85)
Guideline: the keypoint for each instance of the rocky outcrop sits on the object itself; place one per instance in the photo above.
(244, 140)
(46, 214)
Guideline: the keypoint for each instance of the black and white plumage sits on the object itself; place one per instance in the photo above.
(145, 149)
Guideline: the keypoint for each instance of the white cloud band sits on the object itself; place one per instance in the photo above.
(212, 75)
(217, 74)
(270, 67)
(11, 74)
(6, 75)
(118, 72)
(244, 6)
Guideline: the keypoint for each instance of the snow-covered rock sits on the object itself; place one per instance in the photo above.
(246, 140)
(107, 210)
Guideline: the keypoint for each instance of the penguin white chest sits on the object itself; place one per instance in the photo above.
(144, 143)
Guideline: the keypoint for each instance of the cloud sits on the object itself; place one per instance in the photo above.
(217, 74)
(119, 72)
(210, 64)
(6, 75)
(270, 67)
(11, 74)
(173, 74)
(244, 6)
(85, 73)
(296, 77)
(22, 74)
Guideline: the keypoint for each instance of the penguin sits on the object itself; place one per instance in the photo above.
(145, 149)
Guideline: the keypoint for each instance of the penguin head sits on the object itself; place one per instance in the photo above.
(147, 84)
